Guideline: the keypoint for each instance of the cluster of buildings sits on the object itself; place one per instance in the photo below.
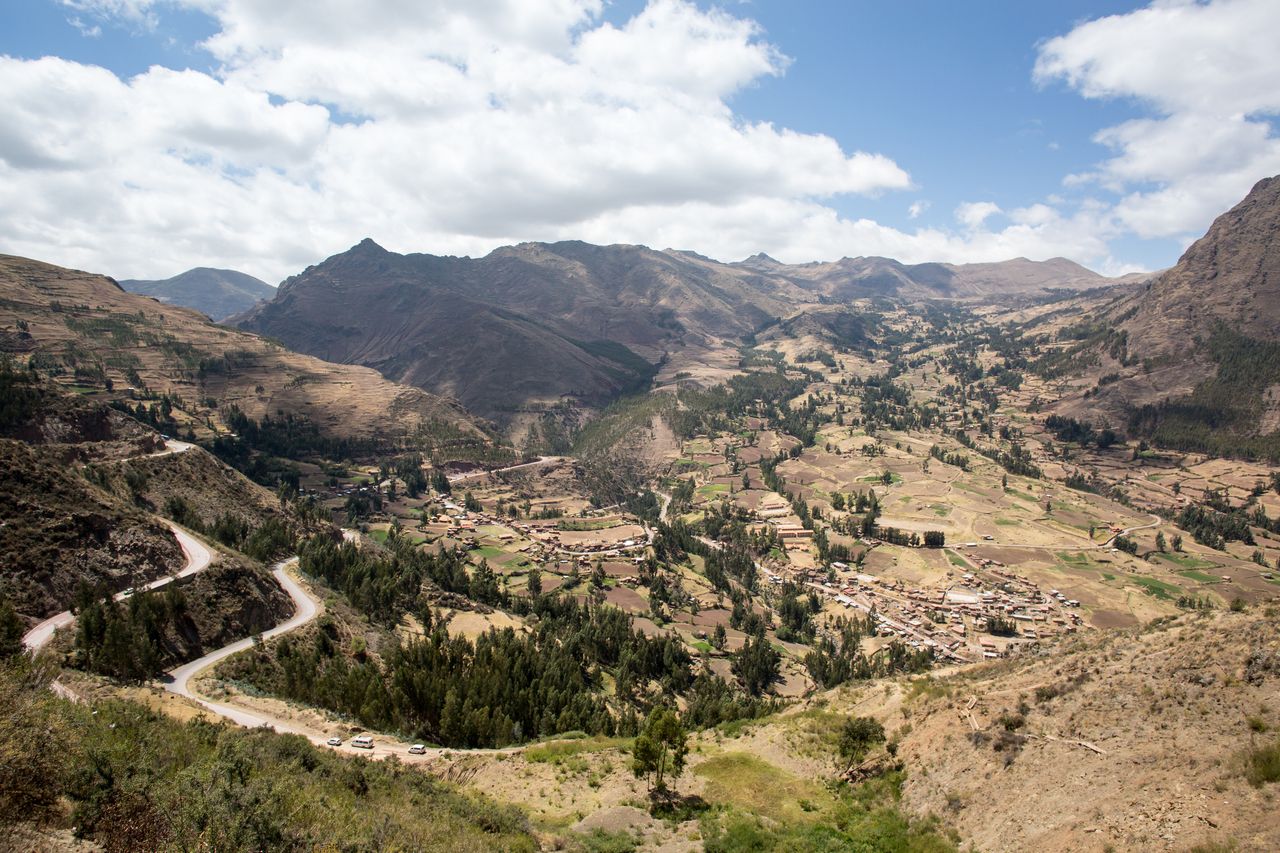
(953, 621)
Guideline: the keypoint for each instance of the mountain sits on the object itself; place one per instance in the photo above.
(856, 278)
(536, 324)
(85, 330)
(1193, 358)
(216, 293)
(533, 323)
(1229, 277)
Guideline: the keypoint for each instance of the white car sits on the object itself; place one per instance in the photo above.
(334, 741)
(417, 749)
(362, 742)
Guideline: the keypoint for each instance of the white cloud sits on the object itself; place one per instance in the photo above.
(1211, 73)
(447, 126)
(459, 125)
(972, 214)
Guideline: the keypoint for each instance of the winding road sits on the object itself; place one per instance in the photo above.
(1156, 521)
(198, 559)
(305, 609)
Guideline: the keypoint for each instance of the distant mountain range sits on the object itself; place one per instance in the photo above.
(539, 323)
(215, 293)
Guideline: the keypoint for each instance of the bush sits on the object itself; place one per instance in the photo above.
(857, 736)
(1262, 765)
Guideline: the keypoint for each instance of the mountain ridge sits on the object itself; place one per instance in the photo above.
(525, 326)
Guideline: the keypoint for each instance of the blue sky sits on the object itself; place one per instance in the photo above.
(666, 122)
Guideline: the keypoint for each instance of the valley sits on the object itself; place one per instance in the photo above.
(872, 537)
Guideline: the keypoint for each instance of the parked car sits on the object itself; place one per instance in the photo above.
(417, 749)
(334, 741)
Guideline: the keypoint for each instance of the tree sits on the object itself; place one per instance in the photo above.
(440, 482)
(11, 630)
(934, 539)
(1160, 544)
(719, 637)
(757, 664)
(1177, 541)
(660, 749)
(857, 735)
(535, 583)
(472, 503)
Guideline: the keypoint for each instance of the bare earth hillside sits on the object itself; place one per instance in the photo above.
(84, 328)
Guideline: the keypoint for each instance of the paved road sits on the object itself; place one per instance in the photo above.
(305, 609)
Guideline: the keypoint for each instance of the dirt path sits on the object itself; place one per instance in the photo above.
(306, 608)
(198, 559)
(541, 460)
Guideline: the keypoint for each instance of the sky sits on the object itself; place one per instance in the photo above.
(139, 138)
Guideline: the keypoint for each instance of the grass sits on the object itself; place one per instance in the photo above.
(749, 783)
(957, 560)
(1007, 522)
(601, 841)
(560, 751)
(1199, 576)
(703, 646)
(1157, 588)
(379, 536)
(1262, 764)
(1186, 561)
(489, 552)
(863, 819)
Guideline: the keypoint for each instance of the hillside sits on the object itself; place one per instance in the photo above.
(162, 784)
(216, 293)
(84, 330)
(60, 531)
(528, 324)
(1193, 358)
(1130, 740)
(537, 324)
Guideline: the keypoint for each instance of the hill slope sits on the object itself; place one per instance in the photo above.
(1193, 358)
(84, 328)
(213, 292)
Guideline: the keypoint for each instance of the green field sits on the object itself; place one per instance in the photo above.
(1156, 588)
(1187, 561)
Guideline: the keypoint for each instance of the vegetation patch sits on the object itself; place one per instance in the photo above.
(1157, 588)
(750, 784)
